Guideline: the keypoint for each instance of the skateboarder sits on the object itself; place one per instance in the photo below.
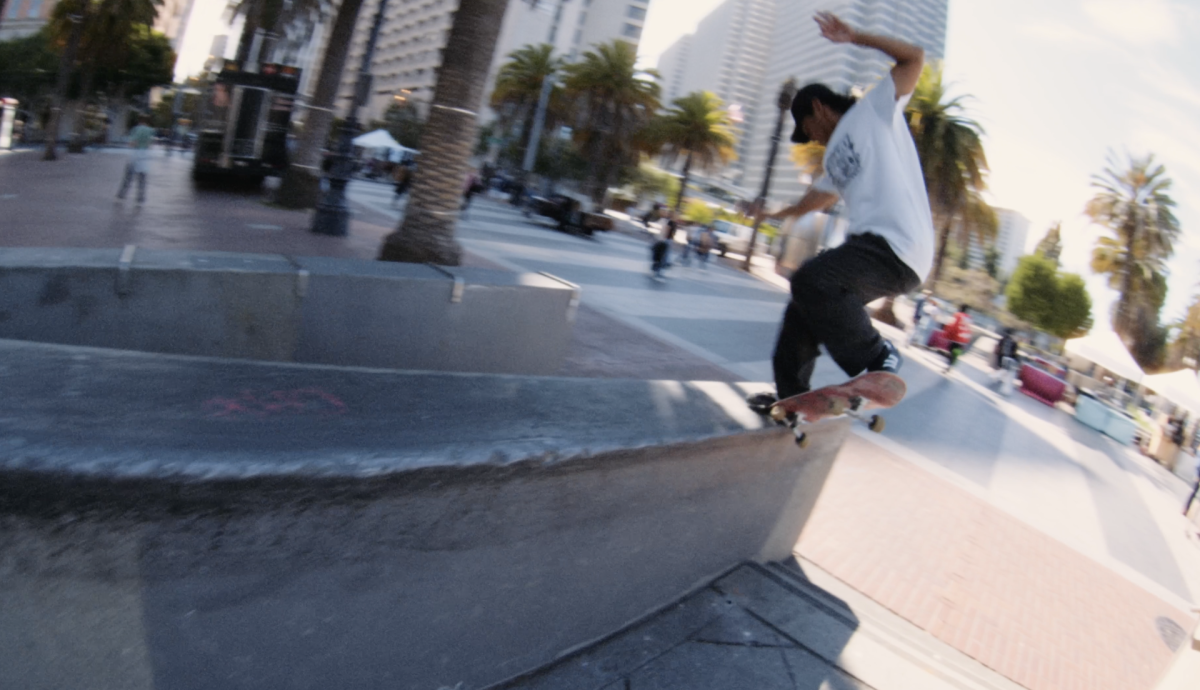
(871, 163)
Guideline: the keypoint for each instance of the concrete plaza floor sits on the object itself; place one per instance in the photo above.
(993, 531)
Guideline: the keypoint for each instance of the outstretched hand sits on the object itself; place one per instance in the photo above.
(834, 28)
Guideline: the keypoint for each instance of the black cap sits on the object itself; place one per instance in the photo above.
(802, 107)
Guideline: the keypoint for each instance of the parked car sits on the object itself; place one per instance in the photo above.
(568, 212)
(732, 237)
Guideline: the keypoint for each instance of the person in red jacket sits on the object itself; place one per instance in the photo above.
(958, 332)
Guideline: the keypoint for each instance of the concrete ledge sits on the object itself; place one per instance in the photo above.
(306, 309)
(179, 522)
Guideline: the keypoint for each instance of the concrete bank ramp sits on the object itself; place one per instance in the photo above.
(182, 522)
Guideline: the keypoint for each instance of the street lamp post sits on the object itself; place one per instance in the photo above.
(785, 103)
(539, 116)
(332, 216)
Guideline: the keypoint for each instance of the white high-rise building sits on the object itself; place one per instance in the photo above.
(727, 55)
(673, 68)
(25, 17)
(172, 20)
(798, 50)
(409, 49)
(1010, 242)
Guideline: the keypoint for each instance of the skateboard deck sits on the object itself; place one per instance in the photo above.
(871, 391)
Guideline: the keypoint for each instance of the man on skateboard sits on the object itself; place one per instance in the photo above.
(870, 162)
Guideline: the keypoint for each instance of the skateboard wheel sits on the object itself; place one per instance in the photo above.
(877, 424)
(802, 440)
(778, 413)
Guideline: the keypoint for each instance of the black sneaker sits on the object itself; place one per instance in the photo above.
(890, 361)
(762, 402)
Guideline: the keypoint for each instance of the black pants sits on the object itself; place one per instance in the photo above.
(829, 297)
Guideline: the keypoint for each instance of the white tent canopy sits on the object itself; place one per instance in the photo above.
(1180, 387)
(1107, 350)
(380, 139)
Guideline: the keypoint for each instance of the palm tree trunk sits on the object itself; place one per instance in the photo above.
(943, 242)
(65, 67)
(77, 143)
(683, 181)
(426, 234)
(301, 185)
(1123, 323)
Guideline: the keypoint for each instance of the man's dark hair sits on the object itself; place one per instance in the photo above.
(802, 106)
(965, 307)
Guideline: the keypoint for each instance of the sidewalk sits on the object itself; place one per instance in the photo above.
(944, 573)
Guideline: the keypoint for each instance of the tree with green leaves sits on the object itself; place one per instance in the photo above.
(950, 146)
(696, 128)
(1050, 246)
(1184, 347)
(809, 159)
(28, 66)
(518, 88)
(1133, 202)
(1056, 303)
(301, 184)
(615, 101)
(426, 234)
(98, 34)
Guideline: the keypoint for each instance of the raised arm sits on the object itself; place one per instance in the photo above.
(909, 58)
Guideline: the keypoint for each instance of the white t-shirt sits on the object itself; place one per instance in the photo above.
(871, 162)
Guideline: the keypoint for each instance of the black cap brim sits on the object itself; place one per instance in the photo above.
(798, 135)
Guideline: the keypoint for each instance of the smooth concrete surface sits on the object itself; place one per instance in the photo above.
(279, 308)
(179, 522)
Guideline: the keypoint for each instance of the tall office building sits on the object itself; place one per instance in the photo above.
(172, 20)
(24, 17)
(799, 51)
(673, 68)
(409, 50)
(728, 56)
(1010, 240)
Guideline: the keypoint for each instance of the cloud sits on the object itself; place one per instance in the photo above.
(1145, 22)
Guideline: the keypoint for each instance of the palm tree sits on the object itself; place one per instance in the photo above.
(427, 233)
(1134, 203)
(696, 127)
(950, 147)
(809, 158)
(519, 84)
(91, 30)
(301, 184)
(107, 39)
(616, 101)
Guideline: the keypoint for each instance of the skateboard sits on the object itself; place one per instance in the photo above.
(871, 391)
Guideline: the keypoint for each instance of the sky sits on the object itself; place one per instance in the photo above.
(204, 23)
(1057, 86)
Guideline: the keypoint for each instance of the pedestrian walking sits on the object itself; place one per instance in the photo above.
(871, 164)
(690, 232)
(658, 258)
(139, 158)
(704, 244)
(958, 335)
(402, 179)
(470, 188)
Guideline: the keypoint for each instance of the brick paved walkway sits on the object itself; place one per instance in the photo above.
(989, 585)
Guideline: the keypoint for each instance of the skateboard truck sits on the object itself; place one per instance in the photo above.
(853, 408)
(856, 398)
